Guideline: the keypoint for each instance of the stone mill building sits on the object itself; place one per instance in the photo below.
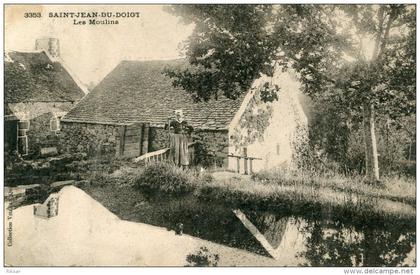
(38, 91)
(126, 112)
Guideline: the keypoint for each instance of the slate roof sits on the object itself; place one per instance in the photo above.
(138, 91)
(34, 77)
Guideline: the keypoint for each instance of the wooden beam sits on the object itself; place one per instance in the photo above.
(122, 140)
(145, 138)
(140, 132)
(245, 150)
(237, 156)
(238, 165)
(131, 147)
(250, 166)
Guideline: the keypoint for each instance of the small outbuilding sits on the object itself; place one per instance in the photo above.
(38, 91)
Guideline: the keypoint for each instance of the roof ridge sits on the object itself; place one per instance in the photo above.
(152, 60)
(24, 51)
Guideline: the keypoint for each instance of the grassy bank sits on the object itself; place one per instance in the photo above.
(313, 202)
(348, 200)
(397, 188)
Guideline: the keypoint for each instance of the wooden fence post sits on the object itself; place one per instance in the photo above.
(122, 140)
(141, 138)
(145, 138)
(245, 161)
(250, 166)
(238, 165)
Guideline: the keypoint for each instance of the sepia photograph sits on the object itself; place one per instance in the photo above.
(210, 135)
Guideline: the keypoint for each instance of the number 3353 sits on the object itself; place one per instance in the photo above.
(32, 15)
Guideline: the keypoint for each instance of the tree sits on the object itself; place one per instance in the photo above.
(229, 48)
(326, 45)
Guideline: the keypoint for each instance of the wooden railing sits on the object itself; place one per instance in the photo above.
(163, 154)
(247, 162)
(158, 155)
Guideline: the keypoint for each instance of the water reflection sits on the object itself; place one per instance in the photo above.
(279, 235)
(334, 244)
(297, 241)
(292, 240)
(214, 223)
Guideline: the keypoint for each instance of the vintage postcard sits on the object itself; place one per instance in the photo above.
(210, 135)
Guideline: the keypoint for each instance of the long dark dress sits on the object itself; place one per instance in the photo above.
(179, 142)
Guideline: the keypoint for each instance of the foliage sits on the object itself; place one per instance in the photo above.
(330, 55)
(165, 178)
(20, 171)
(339, 245)
(301, 150)
(229, 48)
(326, 45)
(98, 179)
(336, 139)
(207, 158)
(203, 257)
(233, 44)
(253, 122)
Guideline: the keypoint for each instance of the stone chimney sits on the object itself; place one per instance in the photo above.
(50, 45)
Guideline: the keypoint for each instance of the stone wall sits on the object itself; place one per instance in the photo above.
(40, 134)
(89, 138)
(212, 147)
(39, 114)
(101, 139)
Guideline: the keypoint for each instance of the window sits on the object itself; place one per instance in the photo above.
(22, 138)
(55, 124)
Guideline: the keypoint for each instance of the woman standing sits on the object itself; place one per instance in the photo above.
(179, 139)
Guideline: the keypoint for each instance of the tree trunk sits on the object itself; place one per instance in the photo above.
(372, 166)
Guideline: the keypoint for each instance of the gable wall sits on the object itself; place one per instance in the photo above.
(287, 126)
(39, 114)
(30, 110)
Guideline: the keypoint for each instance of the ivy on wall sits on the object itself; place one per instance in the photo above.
(301, 157)
(300, 142)
(256, 117)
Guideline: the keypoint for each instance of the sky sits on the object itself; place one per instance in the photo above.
(92, 51)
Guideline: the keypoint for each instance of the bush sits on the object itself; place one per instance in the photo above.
(99, 179)
(127, 175)
(265, 175)
(165, 178)
(203, 257)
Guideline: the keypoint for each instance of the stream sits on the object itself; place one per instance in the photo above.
(294, 240)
